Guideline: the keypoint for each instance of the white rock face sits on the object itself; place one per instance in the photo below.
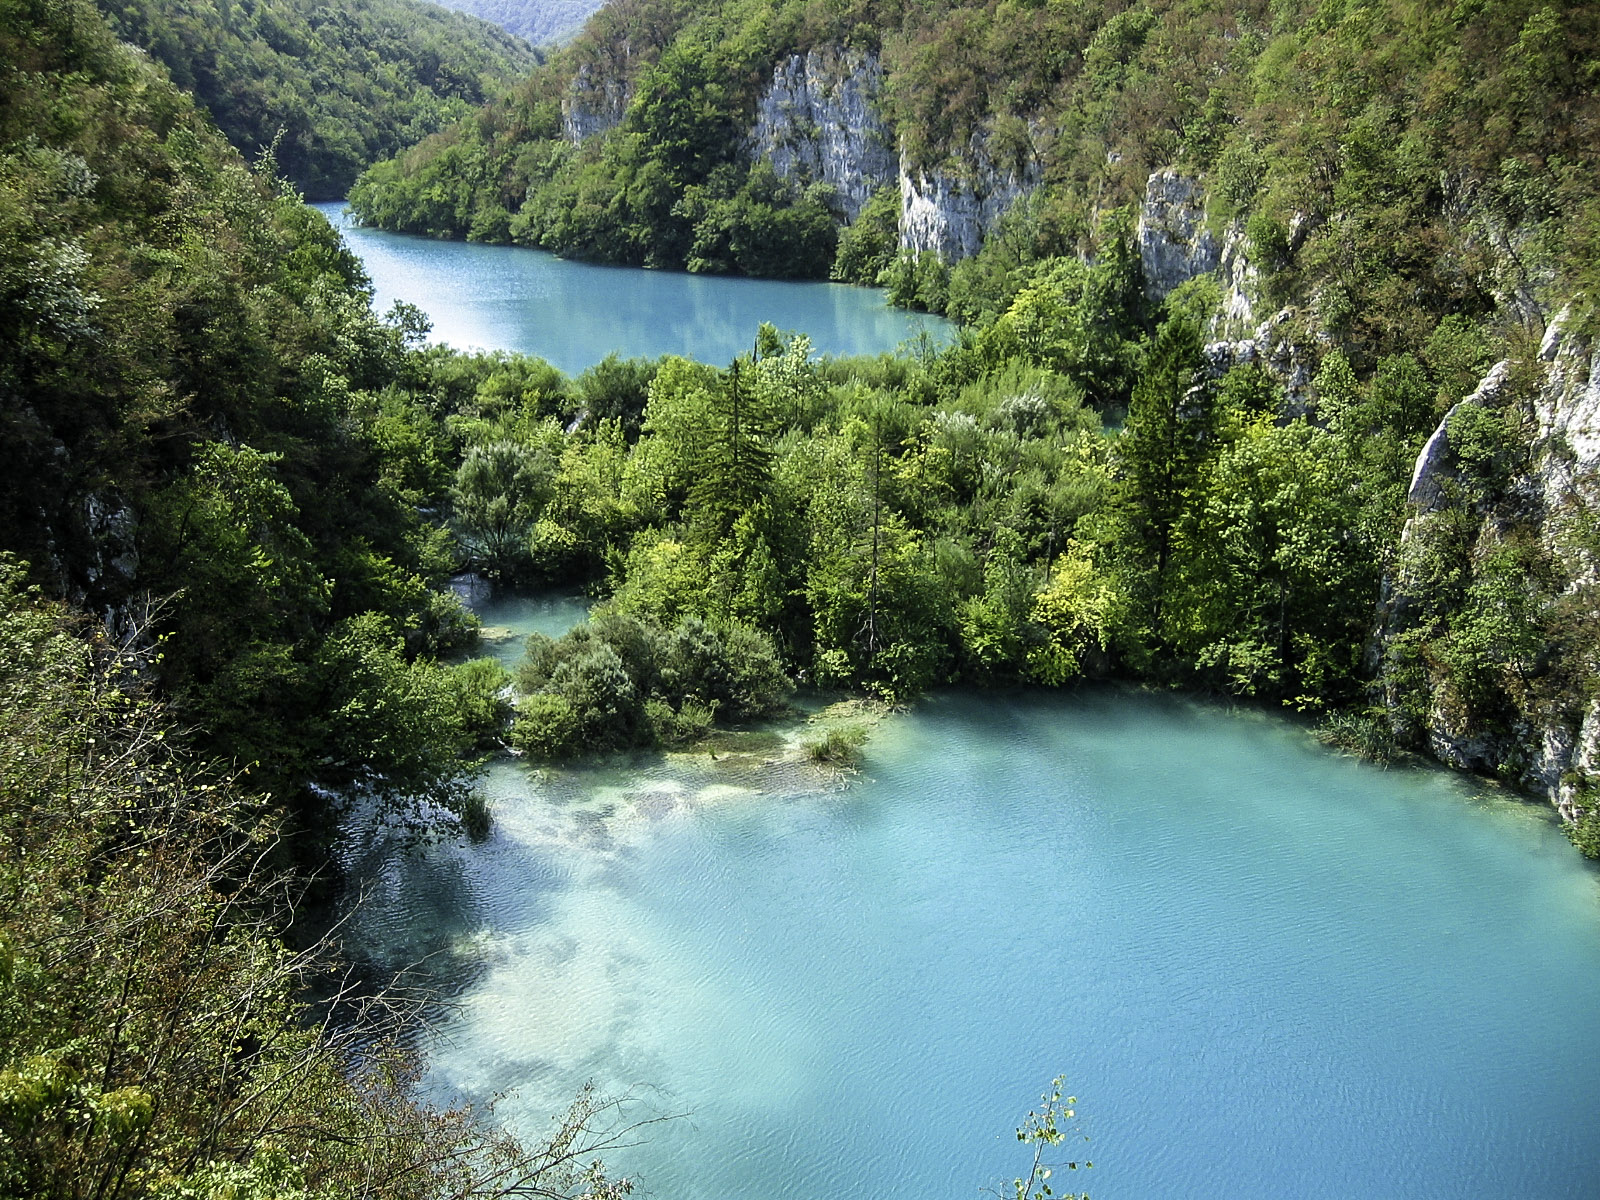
(1433, 467)
(1174, 243)
(1175, 246)
(818, 122)
(1273, 345)
(1561, 480)
(950, 214)
(1567, 415)
(594, 103)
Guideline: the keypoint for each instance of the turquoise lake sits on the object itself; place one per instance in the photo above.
(1266, 971)
(573, 314)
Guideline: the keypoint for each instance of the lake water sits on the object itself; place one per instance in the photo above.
(573, 314)
(1266, 971)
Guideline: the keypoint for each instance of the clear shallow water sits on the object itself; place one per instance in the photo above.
(573, 314)
(509, 618)
(1265, 970)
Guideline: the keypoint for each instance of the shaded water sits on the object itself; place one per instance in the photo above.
(573, 314)
(1266, 971)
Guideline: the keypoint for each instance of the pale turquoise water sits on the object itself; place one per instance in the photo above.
(1266, 971)
(573, 314)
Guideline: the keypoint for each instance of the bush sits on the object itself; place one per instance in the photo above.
(1585, 832)
(692, 722)
(839, 746)
(601, 693)
(546, 727)
(482, 707)
(476, 819)
(867, 247)
(624, 680)
(1365, 735)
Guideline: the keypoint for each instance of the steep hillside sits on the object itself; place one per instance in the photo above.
(1361, 125)
(539, 21)
(206, 444)
(205, 428)
(335, 86)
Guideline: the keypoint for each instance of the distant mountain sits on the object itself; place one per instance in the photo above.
(540, 21)
(338, 84)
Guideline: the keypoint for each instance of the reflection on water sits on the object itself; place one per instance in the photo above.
(573, 314)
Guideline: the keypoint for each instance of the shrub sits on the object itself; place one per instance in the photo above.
(1585, 833)
(839, 746)
(1366, 735)
(546, 727)
(690, 723)
(482, 707)
(476, 819)
(626, 680)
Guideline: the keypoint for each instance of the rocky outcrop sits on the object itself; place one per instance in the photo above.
(818, 122)
(1277, 344)
(1549, 744)
(949, 210)
(1177, 244)
(595, 101)
(1566, 412)
(111, 528)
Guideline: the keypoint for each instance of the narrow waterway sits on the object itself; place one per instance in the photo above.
(1265, 970)
(573, 314)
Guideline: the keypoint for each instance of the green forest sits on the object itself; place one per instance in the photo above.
(327, 88)
(232, 496)
(1383, 115)
(1411, 187)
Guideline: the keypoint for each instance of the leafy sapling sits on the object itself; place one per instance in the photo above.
(1048, 1127)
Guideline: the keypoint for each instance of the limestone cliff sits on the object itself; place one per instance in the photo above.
(1541, 728)
(949, 209)
(595, 102)
(818, 122)
(1486, 645)
(1177, 243)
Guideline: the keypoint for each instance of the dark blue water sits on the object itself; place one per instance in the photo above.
(573, 314)
(1265, 971)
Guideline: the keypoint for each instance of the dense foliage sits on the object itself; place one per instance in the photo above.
(204, 426)
(1409, 193)
(893, 524)
(670, 187)
(258, 489)
(1388, 163)
(620, 680)
(152, 1034)
(1353, 138)
(331, 87)
(208, 446)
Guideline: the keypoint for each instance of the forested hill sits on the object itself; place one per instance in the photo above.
(206, 441)
(347, 82)
(194, 394)
(540, 21)
(694, 135)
